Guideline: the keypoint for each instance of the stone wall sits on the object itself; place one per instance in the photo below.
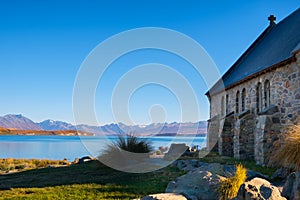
(226, 138)
(284, 93)
(253, 134)
(266, 132)
(244, 136)
(212, 137)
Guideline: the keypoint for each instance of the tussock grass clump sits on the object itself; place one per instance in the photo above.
(119, 153)
(286, 150)
(229, 188)
(133, 144)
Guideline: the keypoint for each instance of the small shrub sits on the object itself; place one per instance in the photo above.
(133, 144)
(113, 154)
(286, 150)
(229, 188)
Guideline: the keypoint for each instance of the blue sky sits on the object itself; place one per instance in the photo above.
(43, 43)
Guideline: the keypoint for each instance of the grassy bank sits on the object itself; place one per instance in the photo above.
(8, 165)
(90, 180)
(215, 158)
(93, 180)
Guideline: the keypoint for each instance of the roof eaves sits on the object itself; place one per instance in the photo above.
(243, 56)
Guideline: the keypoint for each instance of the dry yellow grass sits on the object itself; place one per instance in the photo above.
(14, 165)
(229, 188)
(286, 151)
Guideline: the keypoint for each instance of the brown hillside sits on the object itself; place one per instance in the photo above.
(8, 131)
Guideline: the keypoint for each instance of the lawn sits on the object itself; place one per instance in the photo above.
(215, 158)
(93, 180)
(90, 180)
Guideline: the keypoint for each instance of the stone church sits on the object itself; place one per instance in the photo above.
(253, 102)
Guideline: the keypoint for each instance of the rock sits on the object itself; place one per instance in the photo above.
(291, 188)
(201, 183)
(194, 163)
(251, 174)
(164, 196)
(175, 151)
(189, 168)
(187, 165)
(85, 159)
(201, 164)
(182, 164)
(258, 189)
(174, 164)
(280, 173)
(229, 169)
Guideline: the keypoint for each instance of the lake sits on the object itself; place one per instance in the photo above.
(71, 147)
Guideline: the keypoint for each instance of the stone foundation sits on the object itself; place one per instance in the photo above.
(226, 139)
(212, 138)
(244, 136)
(267, 131)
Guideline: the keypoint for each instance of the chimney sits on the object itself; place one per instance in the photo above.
(272, 19)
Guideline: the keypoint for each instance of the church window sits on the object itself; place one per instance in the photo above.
(227, 104)
(237, 99)
(222, 106)
(243, 99)
(259, 97)
(267, 93)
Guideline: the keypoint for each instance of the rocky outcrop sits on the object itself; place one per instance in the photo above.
(202, 179)
(281, 173)
(164, 196)
(199, 183)
(291, 188)
(259, 189)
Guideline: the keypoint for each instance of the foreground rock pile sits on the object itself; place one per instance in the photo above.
(259, 188)
(202, 180)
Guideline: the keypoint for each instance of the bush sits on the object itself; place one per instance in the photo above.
(286, 150)
(133, 144)
(119, 152)
(229, 188)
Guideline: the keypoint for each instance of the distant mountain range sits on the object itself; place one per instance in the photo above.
(159, 129)
(14, 131)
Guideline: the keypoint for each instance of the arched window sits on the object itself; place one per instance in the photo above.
(237, 104)
(222, 106)
(227, 102)
(267, 93)
(259, 97)
(244, 99)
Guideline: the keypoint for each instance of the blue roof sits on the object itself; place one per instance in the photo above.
(276, 44)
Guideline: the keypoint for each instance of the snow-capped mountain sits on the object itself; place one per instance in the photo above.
(18, 122)
(56, 125)
(159, 129)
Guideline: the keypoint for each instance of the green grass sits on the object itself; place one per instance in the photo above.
(94, 180)
(215, 158)
(76, 191)
(84, 181)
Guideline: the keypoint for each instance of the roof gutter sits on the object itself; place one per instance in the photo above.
(264, 71)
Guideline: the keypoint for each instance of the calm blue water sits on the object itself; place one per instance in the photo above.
(71, 147)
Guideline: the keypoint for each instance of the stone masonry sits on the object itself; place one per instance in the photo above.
(248, 125)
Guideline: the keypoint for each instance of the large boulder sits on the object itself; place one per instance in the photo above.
(200, 183)
(259, 189)
(291, 188)
(280, 173)
(164, 196)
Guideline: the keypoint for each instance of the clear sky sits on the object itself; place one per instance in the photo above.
(43, 43)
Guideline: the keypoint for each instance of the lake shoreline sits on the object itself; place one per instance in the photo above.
(71, 147)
